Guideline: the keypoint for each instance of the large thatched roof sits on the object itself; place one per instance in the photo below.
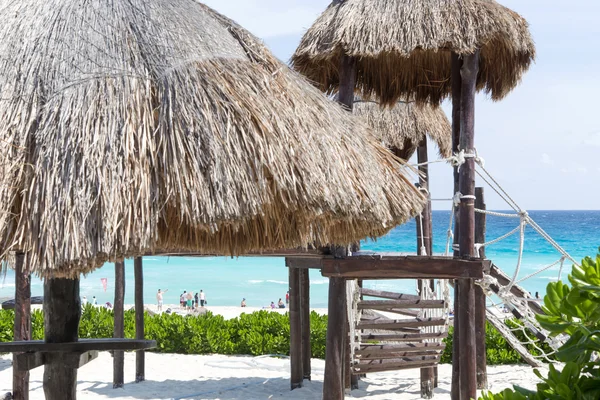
(403, 126)
(403, 47)
(136, 126)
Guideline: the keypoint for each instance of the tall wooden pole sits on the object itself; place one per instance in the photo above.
(119, 328)
(62, 311)
(480, 308)
(140, 355)
(334, 382)
(424, 247)
(295, 330)
(456, 95)
(22, 327)
(305, 321)
(466, 324)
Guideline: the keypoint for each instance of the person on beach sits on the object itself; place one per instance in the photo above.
(196, 299)
(272, 306)
(190, 301)
(94, 301)
(84, 301)
(182, 299)
(243, 303)
(287, 298)
(537, 295)
(159, 299)
(202, 298)
(280, 304)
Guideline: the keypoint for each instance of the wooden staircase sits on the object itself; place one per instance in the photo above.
(389, 344)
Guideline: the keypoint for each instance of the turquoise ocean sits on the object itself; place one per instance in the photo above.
(262, 279)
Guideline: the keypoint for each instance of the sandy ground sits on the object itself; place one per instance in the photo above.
(175, 376)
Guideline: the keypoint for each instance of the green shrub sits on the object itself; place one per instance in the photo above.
(574, 311)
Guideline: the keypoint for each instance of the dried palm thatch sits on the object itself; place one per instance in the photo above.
(139, 126)
(403, 47)
(403, 127)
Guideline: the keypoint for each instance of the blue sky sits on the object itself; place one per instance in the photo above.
(542, 142)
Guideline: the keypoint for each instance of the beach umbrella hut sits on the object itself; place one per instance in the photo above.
(424, 51)
(403, 47)
(405, 126)
(143, 126)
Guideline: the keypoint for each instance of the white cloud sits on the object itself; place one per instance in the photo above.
(546, 159)
(593, 139)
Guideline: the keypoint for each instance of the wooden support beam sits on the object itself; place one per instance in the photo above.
(78, 360)
(456, 82)
(402, 267)
(62, 311)
(74, 360)
(303, 262)
(391, 304)
(387, 295)
(119, 327)
(480, 297)
(296, 374)
(22, 325)
(394, 324)
(383, 355)
(305, 322)
(333, 383)
(83, 345)
(28, 361)
(466, 325)
(410, 359)
(140, 356)
(516, 290)
(402, 337)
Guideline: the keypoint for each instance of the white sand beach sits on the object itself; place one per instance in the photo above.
(176, 376)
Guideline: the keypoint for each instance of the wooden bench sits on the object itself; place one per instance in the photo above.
(31, 354)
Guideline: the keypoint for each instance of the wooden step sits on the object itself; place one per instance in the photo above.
(388, 295)
(363, 369)
(399, 324)
(371, 352)
(399, 304)
(409, 359)
(402, 337)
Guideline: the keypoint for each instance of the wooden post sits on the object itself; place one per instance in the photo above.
(424, 247)
(466, 323)
(456, 94)
(62, 311)
(480, 308)
(140, 355)
(333, 382)
(334, 377)
(119, 328)
(22, 326)
(295, 330)
(305, 321)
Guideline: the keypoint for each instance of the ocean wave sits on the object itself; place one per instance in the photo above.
(257, 281)
(319, 281)
(277, 282)
(254, 281)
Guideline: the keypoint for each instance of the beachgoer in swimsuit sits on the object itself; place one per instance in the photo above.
(202, 298)
(190, 301)
(159, 299)
(243, 303)
(280, 304)
(272, 305)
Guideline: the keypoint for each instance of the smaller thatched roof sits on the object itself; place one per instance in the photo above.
(403, 47)
(404, 126)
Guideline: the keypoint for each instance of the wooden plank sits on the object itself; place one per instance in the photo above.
(517, 290)
(403, 346)
(394, 324)
(399, 360)
(480, 297)
(303, 262)
(22, 324)
(388, 295)
(456, 82)
(402, 267)
(62, 311)
(399, 304)
(383, 355)
(78, 360)
(405, 312)
(28, 361)
(140, 356)
(392, 367)
(296, 374)
(402, 337)
(305, 322)
(513, 341)
(119, 326)
(79, 346)
(466, 327)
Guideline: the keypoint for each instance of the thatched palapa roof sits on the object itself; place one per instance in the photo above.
(404, 126)
(138, 126)
(403, 47)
